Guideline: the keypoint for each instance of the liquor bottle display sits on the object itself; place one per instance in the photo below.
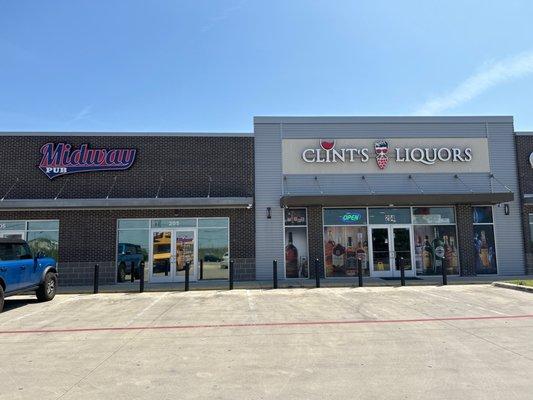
(291, 259)
(351, 259)
(455, 261)
(438, 252)
(448, 257)
(484, 251)
(328, 250)
(427, 255)
(338, 258)
(418, 255)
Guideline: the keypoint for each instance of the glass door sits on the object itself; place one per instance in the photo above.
(171, 249)
(380, 252)
(390, 248)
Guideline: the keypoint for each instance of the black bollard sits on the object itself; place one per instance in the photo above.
(96, 277)
(317, 273)
(231, 275)
(201, 269)
(444, 275)
(402, 272)
(187, 266)
(141, 280)
(360, 271)
(132, 272)
(275, 273)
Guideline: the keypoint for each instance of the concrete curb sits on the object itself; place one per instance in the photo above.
(506, 285)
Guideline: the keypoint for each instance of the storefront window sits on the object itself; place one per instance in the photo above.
(433, 215)
(436, 248)
(484, 243)
(389, 216)
(41, 236)
(133, 248)
(345, 241)
(213, 251)
(296, 251)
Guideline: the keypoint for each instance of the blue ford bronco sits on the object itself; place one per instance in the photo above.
(20, 271)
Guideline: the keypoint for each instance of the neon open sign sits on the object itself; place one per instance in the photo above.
(351, 217)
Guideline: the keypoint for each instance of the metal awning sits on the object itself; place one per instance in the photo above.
(126, 203)
(396, 199)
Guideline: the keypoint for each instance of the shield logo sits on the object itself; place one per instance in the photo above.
(382, 148)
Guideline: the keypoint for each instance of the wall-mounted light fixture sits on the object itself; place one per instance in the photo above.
(506, 209)
(269, 212)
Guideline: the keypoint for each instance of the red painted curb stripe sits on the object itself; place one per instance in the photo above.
(266, 324)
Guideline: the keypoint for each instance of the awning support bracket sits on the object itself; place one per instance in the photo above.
(368, 185)
(501, 183)
(111, 188)
(159, 187)
(61, 189)
(10, 189)
(464, 184)
(318, 184)
(416, 184)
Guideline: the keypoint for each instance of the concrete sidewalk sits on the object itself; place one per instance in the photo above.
(128, 287)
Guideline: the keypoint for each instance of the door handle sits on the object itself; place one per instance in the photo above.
(22, 267)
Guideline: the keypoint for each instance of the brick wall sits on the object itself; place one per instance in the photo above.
(181, 165)
(316, 239)
(465, 237)
(524, 147)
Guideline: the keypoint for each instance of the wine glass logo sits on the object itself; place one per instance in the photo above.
(381, 147)
(327, 144)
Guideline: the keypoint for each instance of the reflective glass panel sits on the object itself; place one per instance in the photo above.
(389, 216)
(43, 225)
(45, 241)
(296, 259)
(12, 225)
(174, 223)
(295, 216)
(133, 224)
(380, 249)
(213, 253)
(161, 253)
(402, 248)
(213, 222)
(343, 247)
(482, 215)
(433, 215)
(132, 250)
(184, 252)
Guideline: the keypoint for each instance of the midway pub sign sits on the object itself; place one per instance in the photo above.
(59, 159)
(381, 156)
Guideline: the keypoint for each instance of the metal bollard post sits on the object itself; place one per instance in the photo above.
(275, 273)
(402, 272)
(201, 269)
(132, 273)
(187, 265)
(317, 273)
(231, 275)
(96, 277)
(141, 281)
(360, 271)
(444, 275)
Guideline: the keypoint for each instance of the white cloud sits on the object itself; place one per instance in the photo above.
(490, 75)
(84, 113)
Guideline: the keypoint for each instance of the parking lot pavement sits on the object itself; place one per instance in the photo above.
(468, 342)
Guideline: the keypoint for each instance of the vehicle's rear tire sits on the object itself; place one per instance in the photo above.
(1, 298)
(47, 290)
(121, 273)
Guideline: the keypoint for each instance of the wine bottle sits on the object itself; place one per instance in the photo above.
(351, 260)
(338, 258)
(438, 251)
(291, 259)
(427, 256)
(484, 251)
(330, 244)
(418, 255)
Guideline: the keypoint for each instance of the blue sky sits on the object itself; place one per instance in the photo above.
(72, 65)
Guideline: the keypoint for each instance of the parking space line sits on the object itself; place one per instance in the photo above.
(265, 324)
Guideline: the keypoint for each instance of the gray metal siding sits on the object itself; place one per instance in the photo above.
(269, 232)
(268, 136)
(508, 228)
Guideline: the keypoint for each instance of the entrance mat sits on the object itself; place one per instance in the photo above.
(407, 278)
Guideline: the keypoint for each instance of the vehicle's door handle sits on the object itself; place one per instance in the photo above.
(22, 267)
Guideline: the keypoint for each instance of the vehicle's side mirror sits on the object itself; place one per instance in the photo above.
(40, 254)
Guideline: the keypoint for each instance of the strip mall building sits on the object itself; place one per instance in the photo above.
(428, 193)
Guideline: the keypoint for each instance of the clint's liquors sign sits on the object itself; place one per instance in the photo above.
(62, 158)
(399, 155)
